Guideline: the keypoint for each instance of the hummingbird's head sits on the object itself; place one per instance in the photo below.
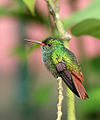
(52, 43)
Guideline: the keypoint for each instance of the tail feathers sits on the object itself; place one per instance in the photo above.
(80, 88)
(78, 76)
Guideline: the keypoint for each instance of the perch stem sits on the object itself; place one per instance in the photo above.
(54, 11)
(60, 98)
(70, 105)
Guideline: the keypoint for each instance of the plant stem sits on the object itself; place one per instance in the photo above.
(54, 11)
(60, 98)
(70, 105)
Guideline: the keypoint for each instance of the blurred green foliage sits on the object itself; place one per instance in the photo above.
(89, 109)
(95, 64)
(42, 95)
(85, 22)
(87, 27)
(30, 4)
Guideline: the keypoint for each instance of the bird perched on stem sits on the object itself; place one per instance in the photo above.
(61, 62)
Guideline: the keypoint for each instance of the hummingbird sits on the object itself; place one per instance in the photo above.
(61, 62)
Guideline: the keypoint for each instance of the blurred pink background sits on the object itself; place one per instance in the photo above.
(9, 39)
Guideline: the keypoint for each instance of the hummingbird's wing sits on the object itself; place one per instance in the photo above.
(66, 76)
(72, 80)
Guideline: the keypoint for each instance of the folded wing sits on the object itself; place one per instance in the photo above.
(72, 79)
(66, 76)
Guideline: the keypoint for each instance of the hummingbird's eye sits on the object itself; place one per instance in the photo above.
(50, 44)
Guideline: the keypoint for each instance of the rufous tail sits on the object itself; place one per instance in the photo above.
(79, 86)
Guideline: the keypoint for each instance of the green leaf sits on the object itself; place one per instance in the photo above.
(30, 4)
(85, 21)
(87, 27)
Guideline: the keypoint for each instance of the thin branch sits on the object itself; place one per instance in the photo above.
(54, 11)
(60, 98)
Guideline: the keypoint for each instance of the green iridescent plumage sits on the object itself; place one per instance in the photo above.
(62, 62)
(58, 53)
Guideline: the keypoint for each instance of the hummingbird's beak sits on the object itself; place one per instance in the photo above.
(33, 41)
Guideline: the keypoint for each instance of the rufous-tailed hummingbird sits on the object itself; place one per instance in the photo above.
(61, 62)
